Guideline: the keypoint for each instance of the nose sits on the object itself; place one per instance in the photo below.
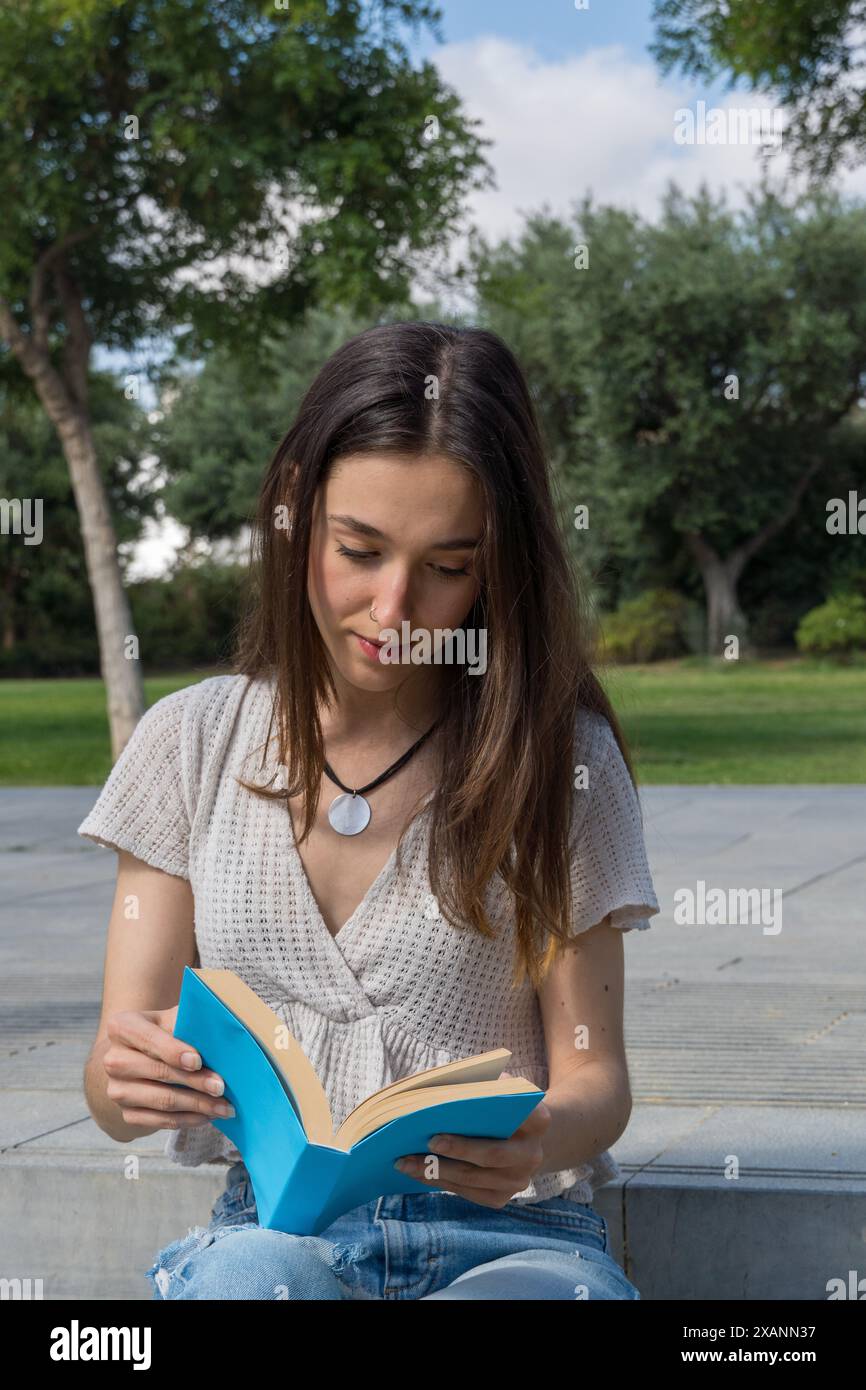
(392, 604)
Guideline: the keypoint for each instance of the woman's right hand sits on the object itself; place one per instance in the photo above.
(145, 1068)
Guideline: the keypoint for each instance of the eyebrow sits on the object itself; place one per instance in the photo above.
(363, 528)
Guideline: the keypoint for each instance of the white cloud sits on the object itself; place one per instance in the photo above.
(152, 555)
(601, 121)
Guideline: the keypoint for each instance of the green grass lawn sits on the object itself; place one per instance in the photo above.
(687, 721)
(55, 732)
(794, 720)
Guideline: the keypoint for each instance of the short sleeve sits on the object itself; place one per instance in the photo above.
(144, 806)
(610, 872)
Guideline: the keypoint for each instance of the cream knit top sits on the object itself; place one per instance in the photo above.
(398, 989)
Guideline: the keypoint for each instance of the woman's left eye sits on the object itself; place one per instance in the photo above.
(371, 555)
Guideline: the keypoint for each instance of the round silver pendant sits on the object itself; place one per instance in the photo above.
(349, 814)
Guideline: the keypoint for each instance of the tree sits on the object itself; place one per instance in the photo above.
(46, 621)
(219, 428)
(810, 53)
(803, 565)
(709, 359)
(142, 143)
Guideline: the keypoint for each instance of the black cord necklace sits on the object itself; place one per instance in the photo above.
(350, 813)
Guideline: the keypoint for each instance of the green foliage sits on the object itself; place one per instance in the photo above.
(140, 140)
(804, 565)
(808, 53)
(223, 423)
(851, 579)
(648, 628)
(46, 609)
(190, 617)
(220, 429)
(836, 627)
(200, 173)
(691, 375)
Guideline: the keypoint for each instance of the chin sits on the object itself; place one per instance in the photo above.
(364, 675)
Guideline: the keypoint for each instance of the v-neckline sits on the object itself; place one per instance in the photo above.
(375, 888)
(339, 937)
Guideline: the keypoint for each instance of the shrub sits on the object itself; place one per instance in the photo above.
(648, 628)
(836, 627)
(187, 619)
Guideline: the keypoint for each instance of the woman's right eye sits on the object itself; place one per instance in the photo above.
(356, 554)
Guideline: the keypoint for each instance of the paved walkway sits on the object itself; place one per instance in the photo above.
(741, 1040)
(736, 1012)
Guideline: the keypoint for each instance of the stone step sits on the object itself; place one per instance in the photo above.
(87, 1216)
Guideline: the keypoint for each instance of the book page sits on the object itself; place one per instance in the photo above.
(486, 1066)
(290, 1061)
(365, 1120)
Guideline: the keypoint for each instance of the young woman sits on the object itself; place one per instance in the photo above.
(411, 861)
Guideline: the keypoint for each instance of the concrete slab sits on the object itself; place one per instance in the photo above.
(739, 1043)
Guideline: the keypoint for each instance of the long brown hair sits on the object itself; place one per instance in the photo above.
(505, 798)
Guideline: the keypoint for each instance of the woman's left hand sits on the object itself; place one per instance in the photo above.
(487, 1171)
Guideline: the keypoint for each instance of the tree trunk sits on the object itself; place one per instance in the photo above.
(8, 640)
(118, 645)
(64, 396)
(725, 618)
(721, 576)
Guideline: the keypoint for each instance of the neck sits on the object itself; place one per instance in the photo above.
(373, 718)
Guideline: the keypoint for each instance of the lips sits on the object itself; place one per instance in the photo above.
(377, 644)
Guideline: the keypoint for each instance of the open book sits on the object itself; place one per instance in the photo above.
(304, 1174)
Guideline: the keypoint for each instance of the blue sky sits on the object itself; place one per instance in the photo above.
(553, 27)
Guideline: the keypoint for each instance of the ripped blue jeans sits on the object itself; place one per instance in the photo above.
(406, 1246)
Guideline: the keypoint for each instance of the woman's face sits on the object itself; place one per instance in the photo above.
(406, 566)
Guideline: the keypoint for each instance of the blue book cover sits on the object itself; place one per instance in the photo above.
(303, 1174)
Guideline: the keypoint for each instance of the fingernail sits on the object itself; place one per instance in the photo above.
(215, 1086)
(226, 1109)
(191, 1060)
